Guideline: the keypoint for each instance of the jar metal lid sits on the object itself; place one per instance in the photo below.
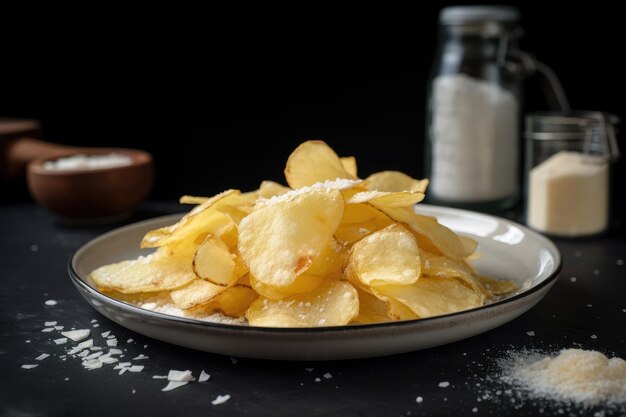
(463, 15)
(596, 129)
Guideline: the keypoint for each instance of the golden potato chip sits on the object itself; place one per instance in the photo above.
(387, 199)
(269, 189)
(388, 256)
(371, 309)
(433, 296)
(329, 263)
(349, 164)
(435, 266)
(245, 281)
(146, 274)
(215, 263)
(303, 284)
(314, 161)
(395, 181)
(360, 220)
(195, 294)
(333, 303)
(398, 311)
(279, 242)
(202, 219)
(431, 235)
(191, 199)
(234, 301)
(497, 287)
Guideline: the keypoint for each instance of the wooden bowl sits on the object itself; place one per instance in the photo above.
(83, 194)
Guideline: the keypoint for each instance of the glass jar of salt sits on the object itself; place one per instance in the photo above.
(568, 156)
(472, 143)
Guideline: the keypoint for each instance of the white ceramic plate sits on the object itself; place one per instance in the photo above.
(508, 250)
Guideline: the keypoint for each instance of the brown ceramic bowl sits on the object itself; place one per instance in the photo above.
(83, 194)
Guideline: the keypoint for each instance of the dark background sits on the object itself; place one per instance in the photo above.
(221, 99)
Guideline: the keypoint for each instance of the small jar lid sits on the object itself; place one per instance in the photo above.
(464, 15)
(597, 129)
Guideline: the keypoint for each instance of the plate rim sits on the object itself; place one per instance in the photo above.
(78, 281)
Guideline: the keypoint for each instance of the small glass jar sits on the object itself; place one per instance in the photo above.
(568, 156)
(472, 144)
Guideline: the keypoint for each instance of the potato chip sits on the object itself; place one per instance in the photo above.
(269, 189)
(303, 284)
(387, 199)
(334, 303)
(215, 263)
(191, 199)
(146, 274)
(388, 256)
(234, 301)
(195, 294)
(279, 242)
(431, 235)
(360, 220)
(245, 281)
(329, 263)
(314, 161)
(202, 219)
(433, 296)
(349, 164)
(371, 308)
(395, 181)
(435, 266)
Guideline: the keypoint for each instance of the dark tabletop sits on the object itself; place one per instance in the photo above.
(35, 248)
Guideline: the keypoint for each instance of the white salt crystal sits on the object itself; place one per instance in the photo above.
(179, 376)
(29, 366)
(105, 334)
(530, 333)
(140, 357)
(112, 342)
(221, 399)
(42, 357)
(50, 302)
(47, 330)
(77, 335)
(327, 375)
(136, 368)
(203, 376)
(419, 399)
(173, 385)
(444, 384)
(50, 323)
(159, 376)
(60, 341)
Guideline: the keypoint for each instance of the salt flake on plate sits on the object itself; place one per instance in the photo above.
(173, 385)
(77, 335)
(42, 357)
(444, 384)
(60, 341)
(179, 376)
(29, 366)
(203, 376)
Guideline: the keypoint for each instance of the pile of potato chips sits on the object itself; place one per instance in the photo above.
(328, 250)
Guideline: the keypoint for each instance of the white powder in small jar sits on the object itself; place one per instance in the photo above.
(82, 161)
(475, 140)
(568, 195)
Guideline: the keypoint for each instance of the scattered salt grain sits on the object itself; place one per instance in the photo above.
(95, 348)
(60, 341)
(50, 323)
(112, 342)
(83, 353)
(47, 330)
(327, 375)
(136, 368)
(173, 385)
(93, 321)
(573, 279)
(221, 399)
(115, 351)
(589, 305)
(129, 341)
(593, 336)
(321, 322)
(42, 357)
(29, 366)
(620, 262)
(309, 369)
(77, 335)
(419, 399)
(28, 341)
(159, 376)
(475, 410)
(92, 356)
(92, 364)
(122, 365)
(140, 357)
(105, 334)
(530, 333)
(234, 360)
(179, 376)
(444, 384)
(50, 302)
(34, 248)
(203, 377)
